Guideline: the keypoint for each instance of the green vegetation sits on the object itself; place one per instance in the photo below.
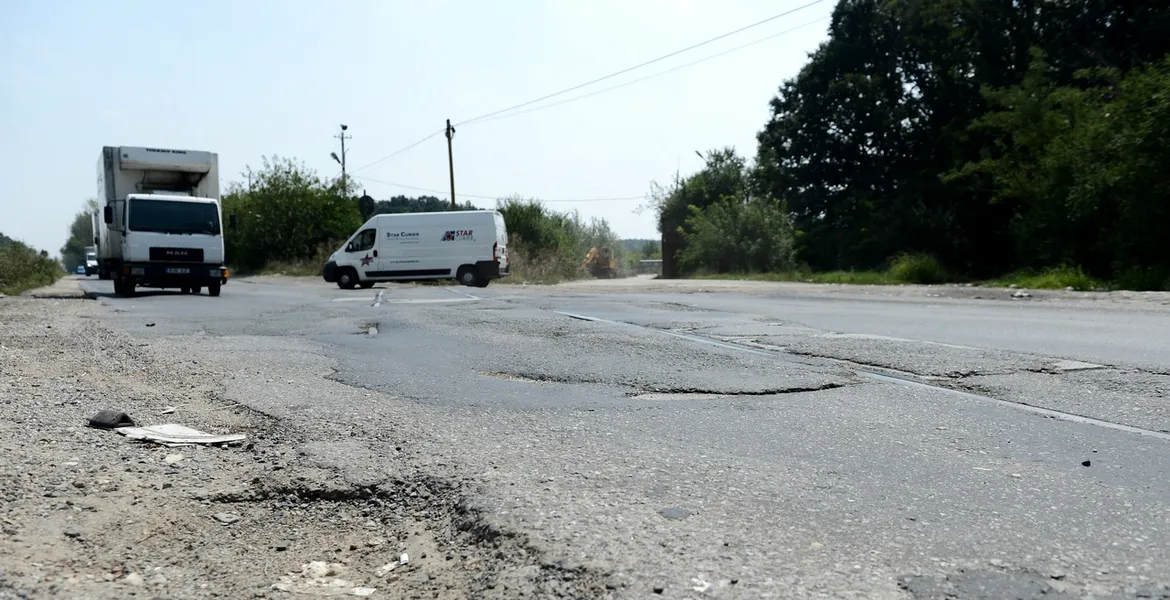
(951, 140)
(545, 246)
(289, 221)
(1057, 278)
(80, 236)
(22, 268)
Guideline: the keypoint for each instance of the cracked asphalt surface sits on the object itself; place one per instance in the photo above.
(729, 443)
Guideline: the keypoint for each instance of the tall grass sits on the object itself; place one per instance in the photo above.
(1057, 278)
(22, 268)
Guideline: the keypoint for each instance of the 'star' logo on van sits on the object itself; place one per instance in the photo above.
(458, 234)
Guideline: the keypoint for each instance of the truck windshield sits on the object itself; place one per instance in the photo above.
(171, 216)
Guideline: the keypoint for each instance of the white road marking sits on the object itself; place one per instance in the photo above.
(409, 300)
(461, 293)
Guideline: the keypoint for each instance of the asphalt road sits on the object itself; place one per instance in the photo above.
(735, 445)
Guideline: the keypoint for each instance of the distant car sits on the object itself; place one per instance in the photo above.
(81, 269)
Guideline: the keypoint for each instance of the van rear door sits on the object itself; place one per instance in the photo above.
(501, 246)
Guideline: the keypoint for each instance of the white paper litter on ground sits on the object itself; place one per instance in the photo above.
(171, 433)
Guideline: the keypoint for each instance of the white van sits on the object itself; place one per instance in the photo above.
(470, 246)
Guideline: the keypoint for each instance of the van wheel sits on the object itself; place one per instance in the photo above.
(347, 279)
(468, 276)
(366, 285)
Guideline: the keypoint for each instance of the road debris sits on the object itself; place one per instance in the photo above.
(110, 419)
(173, 458)
(226, 518)
(172, 434)
(319, 578)
(1087, 463)
(1021, 294)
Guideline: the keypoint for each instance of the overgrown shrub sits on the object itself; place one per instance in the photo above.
(918, 268)
(547, 246)
(286, 214)
(22, 268)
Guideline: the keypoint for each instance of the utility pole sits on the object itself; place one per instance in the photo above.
(451, 160)
(342, 136)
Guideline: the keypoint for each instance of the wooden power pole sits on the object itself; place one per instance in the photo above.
(451, 160)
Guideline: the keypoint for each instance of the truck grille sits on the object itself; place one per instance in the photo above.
(176, 254)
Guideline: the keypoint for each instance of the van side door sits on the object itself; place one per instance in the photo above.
(362, 253)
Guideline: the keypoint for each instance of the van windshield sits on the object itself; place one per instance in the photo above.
(173, 216)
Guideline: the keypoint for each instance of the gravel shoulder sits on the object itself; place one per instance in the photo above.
(89, 513)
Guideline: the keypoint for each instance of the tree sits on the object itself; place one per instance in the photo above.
(405, 204)
(81, 236)
(287, 214)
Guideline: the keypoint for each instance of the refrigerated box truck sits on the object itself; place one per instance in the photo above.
(161, 221)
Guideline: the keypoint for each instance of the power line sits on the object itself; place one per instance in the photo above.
(493, 197)
(399, 151)
(651, 76)
(598, 80)
(649, 62)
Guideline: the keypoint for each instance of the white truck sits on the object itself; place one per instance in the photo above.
(91, 262)
(470, 246)
(161, 222)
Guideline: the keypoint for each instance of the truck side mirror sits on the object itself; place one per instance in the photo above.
(95, 240)
(108, 215)
(232, 222)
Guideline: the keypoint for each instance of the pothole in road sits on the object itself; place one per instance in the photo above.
(362, 533)
(701, 394)
(517, 377)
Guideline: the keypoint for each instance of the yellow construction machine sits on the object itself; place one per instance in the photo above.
(600, 262)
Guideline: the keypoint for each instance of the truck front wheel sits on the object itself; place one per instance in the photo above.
(213, 290)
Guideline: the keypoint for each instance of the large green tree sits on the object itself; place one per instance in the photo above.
(864, 143)
(286, 213)
(81, 235)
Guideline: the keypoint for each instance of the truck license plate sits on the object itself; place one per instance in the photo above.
(177, 271)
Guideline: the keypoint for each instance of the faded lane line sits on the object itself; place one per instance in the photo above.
(461, 293)
(409, 300)
(899, 380)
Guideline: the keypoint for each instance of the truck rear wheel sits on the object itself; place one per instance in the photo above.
(118, 287)
(213, 290)
(128, 288)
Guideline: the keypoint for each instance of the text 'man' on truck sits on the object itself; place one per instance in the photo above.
(159, 220)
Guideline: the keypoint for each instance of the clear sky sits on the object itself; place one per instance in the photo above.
(253, 78)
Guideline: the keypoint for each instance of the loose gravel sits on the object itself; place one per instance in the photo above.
(88, 513)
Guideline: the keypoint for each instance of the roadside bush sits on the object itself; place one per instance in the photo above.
(738, 236)
(286, 215)
(918, 268)
(22, 268)
(546, 246)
